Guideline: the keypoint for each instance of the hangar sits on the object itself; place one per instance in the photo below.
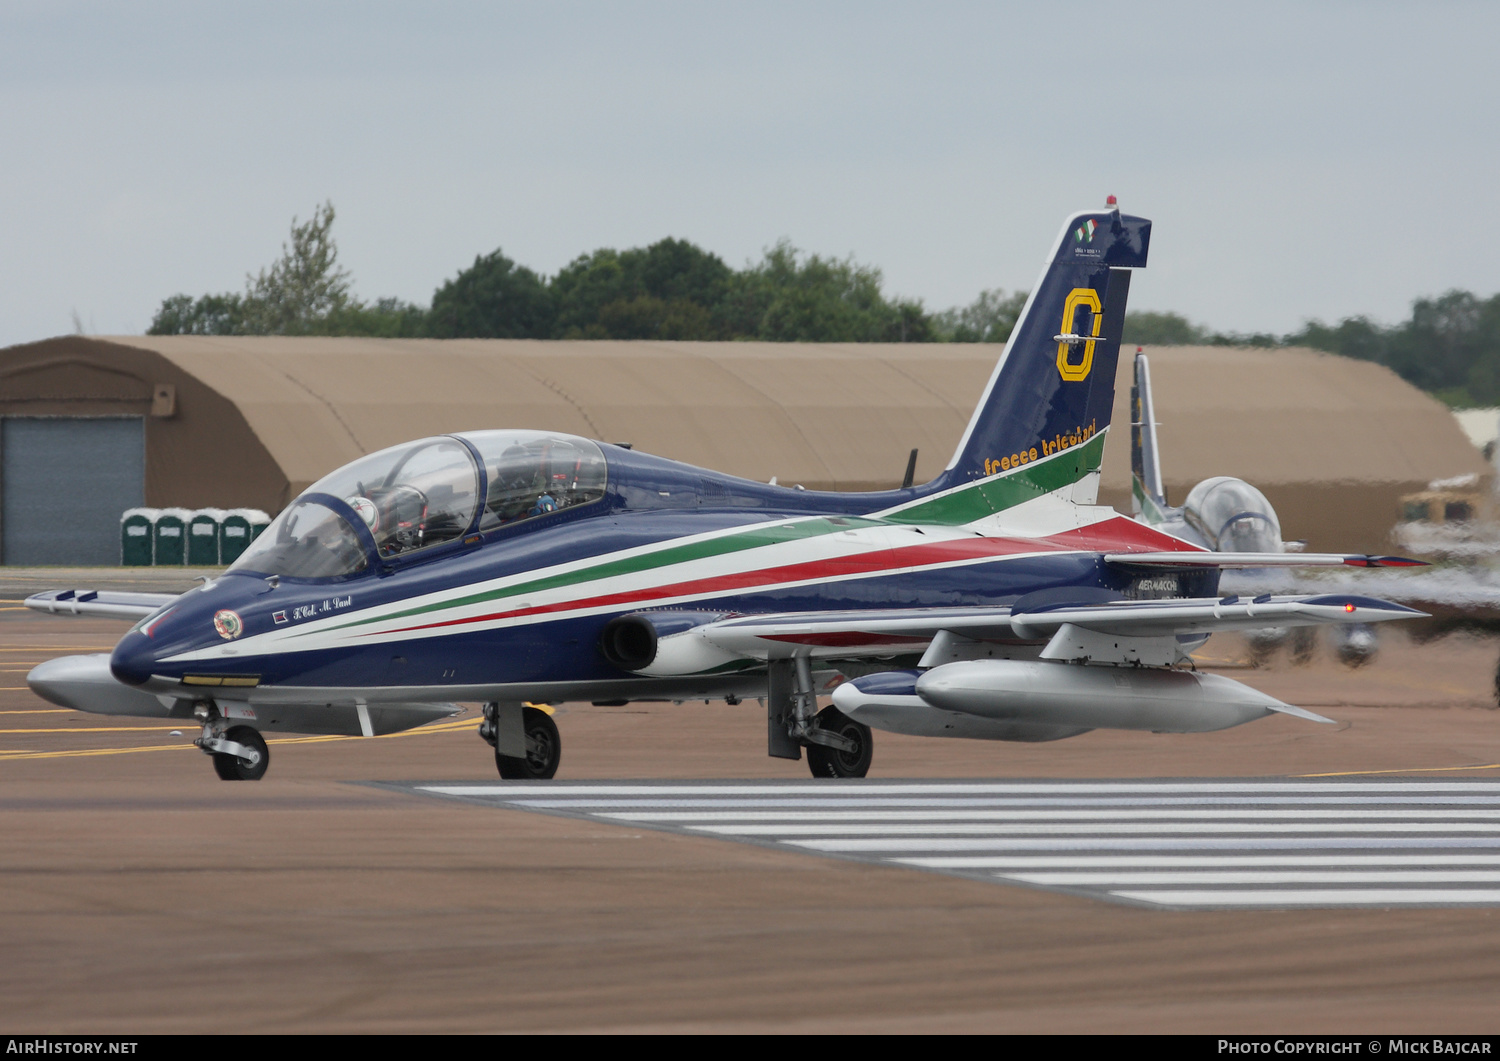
(91, 426)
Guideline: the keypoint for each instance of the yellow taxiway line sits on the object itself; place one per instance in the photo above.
(437, 727)
(1407, 770)
(102, 729)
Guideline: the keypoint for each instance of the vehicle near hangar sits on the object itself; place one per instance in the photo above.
(997, 601)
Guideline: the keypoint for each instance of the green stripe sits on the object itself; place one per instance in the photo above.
(959, 507)
(755, 538)
(1149, 508)
(989, 496)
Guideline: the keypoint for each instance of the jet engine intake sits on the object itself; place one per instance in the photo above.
(633, 642)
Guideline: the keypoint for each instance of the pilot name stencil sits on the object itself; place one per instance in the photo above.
(312, 611)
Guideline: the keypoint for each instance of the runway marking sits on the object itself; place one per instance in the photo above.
(83, 753)
(189, 725)
(1413, 770)
(98, 729)
(1180, 844)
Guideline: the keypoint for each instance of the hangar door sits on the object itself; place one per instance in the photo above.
(66, 482)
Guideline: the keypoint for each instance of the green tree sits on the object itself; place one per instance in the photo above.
(206, 315)
(990, 318)
(385, 318)
(788, 298)
(492, 299)
(669, 290)
(304, 292)
(304, 288)
(1163, 329)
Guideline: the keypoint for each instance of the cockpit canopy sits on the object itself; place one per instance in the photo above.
(1233, 516)
(412, 497)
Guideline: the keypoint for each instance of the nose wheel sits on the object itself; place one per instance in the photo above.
(541, 741)
(239, 754)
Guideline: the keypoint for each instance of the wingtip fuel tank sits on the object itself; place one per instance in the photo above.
(1035, 696)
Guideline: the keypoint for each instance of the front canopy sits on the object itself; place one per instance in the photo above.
(402, 500)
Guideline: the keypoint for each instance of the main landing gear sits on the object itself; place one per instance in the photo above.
(239, 752)
(852, 757)
(526, 742)
(837, 746)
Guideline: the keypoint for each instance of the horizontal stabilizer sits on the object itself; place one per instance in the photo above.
(1191, 558)
(1300, 712)
(115, 603)
(1154, 618)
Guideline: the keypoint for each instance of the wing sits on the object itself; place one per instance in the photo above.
(1170, 618)
(1139, 631)
(115, 603)
(1188, 558)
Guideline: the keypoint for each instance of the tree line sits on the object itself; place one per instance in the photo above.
(1449, 346)
(673, 289)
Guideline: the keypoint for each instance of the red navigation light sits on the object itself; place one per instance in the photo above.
(1348, 607)
(1111, 201)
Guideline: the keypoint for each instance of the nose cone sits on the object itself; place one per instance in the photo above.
(85, 683)
(133, 658)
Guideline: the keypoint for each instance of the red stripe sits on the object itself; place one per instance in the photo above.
(873, 562)
(846, 639)
(1111, 535)
(1120, 534)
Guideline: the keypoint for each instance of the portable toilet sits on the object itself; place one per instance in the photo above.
(259, 521)
(203, 537)
(235, 531)
(136, 538)
(171, 537)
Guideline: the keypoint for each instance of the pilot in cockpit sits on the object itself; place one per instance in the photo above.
(520, 488)
(396, 516)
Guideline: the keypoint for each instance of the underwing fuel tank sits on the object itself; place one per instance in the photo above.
(1033, 696)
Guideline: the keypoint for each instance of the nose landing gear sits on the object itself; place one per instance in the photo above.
(239, 752)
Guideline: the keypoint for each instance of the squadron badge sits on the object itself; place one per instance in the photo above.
(229, 624)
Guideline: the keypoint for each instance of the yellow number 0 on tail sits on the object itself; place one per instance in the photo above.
(1079, 296)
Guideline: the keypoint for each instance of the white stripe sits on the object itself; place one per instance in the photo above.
(958, 788)
(463, 619)
(793, 802)
(1271, 817)
(1102, 829)
(1289, 876)
(1140, 843)
(1317, 897)
(1012, 862)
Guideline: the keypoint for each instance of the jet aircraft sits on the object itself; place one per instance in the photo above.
(1228, 515)
(516, 567)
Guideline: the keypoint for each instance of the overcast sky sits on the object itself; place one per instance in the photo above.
(1299, 159)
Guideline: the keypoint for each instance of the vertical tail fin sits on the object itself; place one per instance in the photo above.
(1051, 394)
(1147, 495)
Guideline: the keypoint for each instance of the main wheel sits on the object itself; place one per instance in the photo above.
(232, 767)
(824, 761)
(543, 750)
